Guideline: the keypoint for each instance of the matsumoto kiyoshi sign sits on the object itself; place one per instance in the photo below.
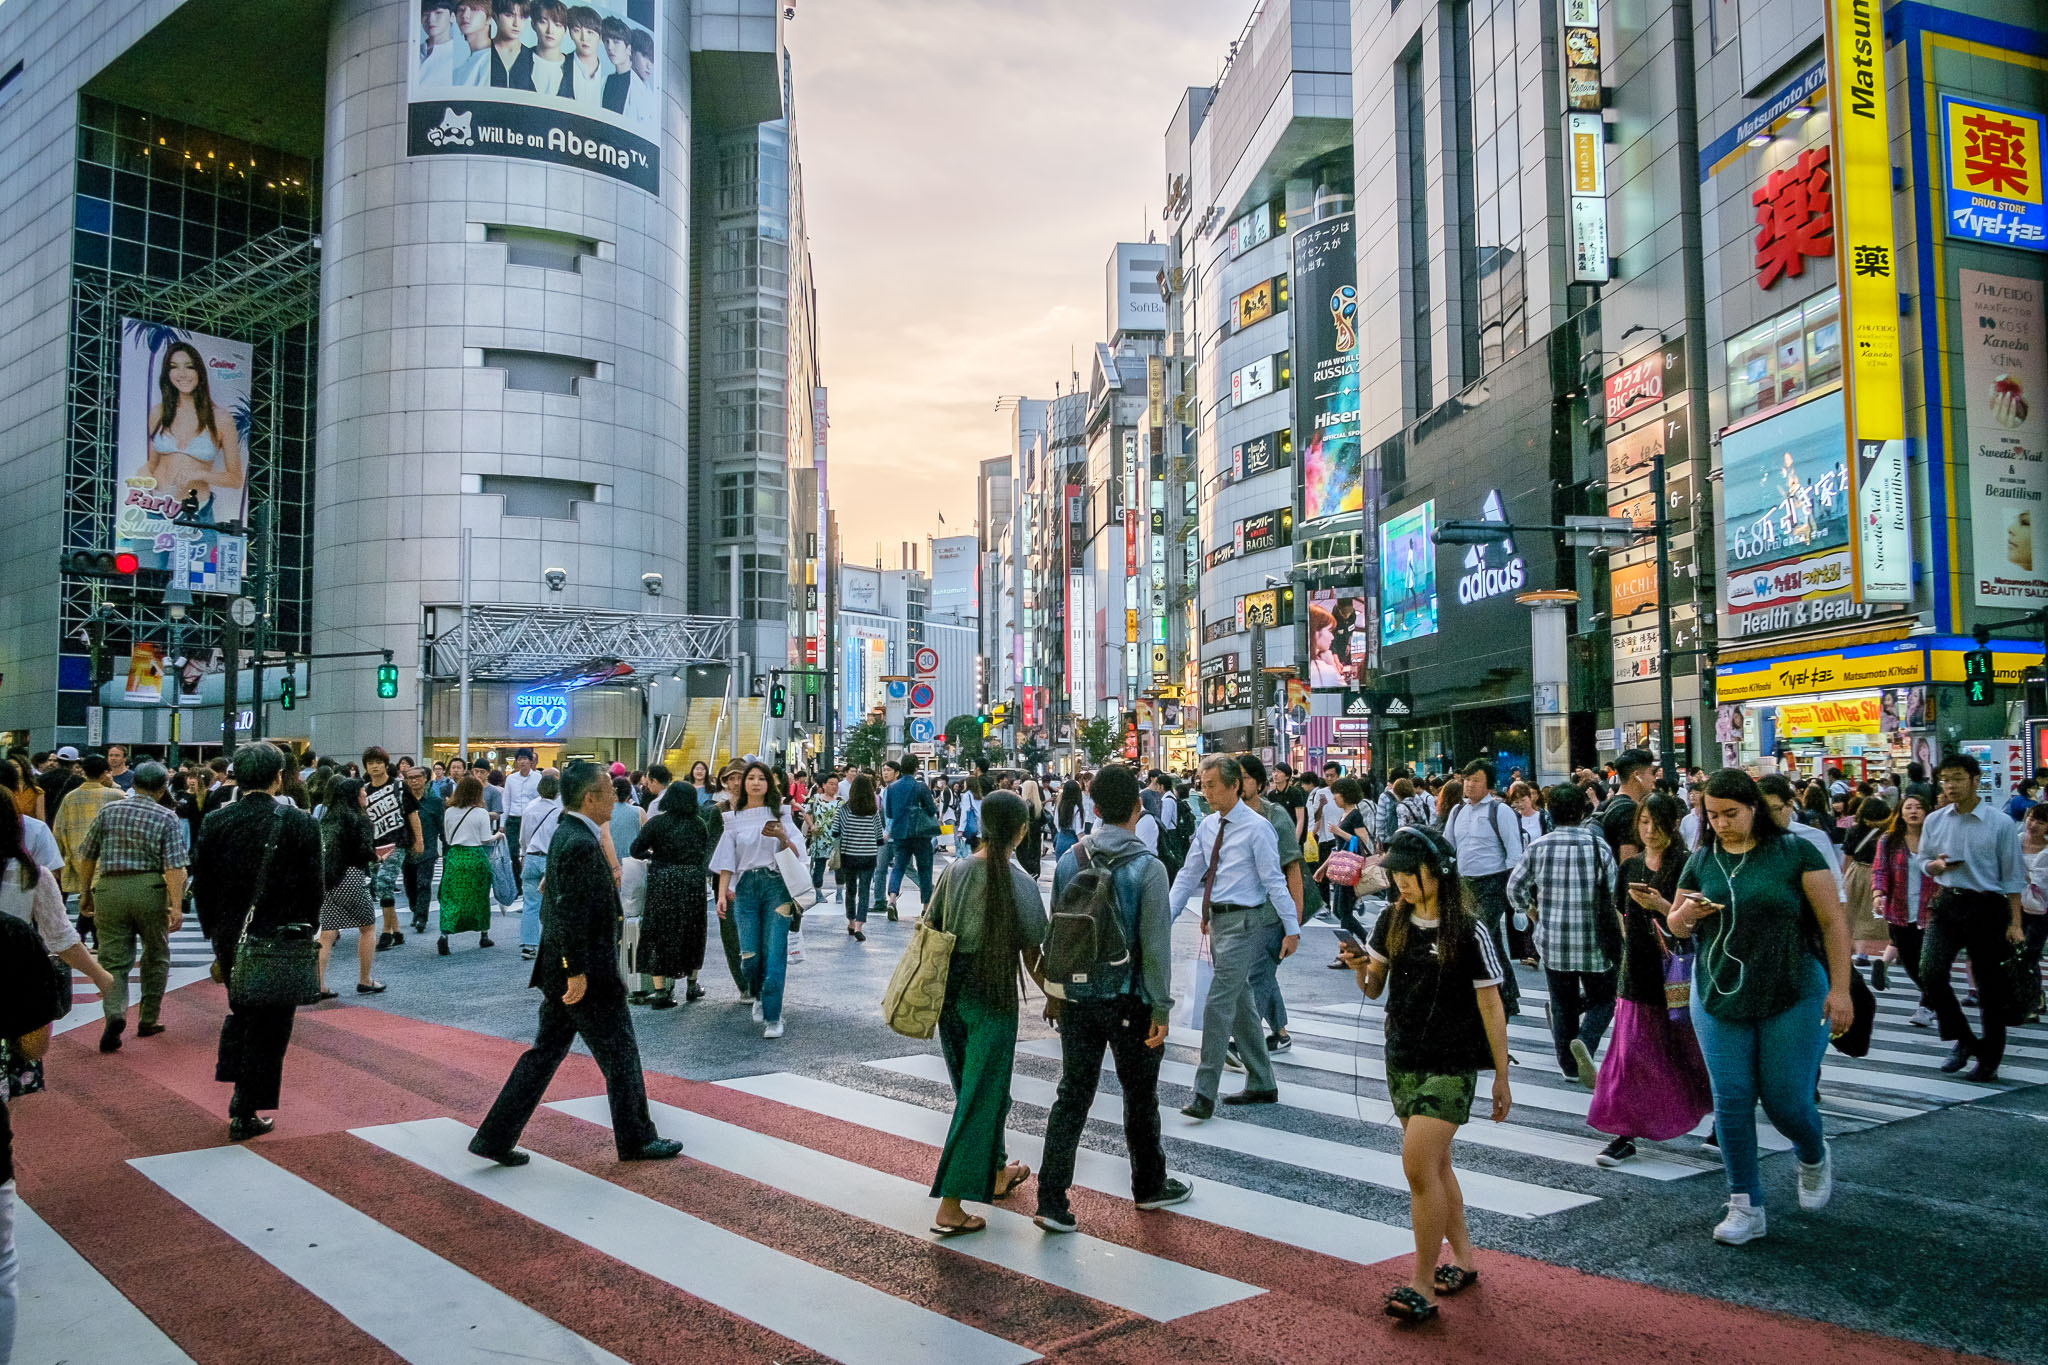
(1491, 570)
(515, 80)
(546, 712)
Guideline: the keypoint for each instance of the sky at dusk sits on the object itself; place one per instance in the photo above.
(967, 166)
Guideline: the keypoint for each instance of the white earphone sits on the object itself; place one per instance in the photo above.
(1728, 934)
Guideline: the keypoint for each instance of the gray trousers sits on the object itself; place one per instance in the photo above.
(1238, 941)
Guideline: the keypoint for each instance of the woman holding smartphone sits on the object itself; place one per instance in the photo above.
(1767, 990)
(1441, 976)
(751, 892)
(1653, 1083)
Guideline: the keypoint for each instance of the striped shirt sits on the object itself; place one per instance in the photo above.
(860, 836)
(135, 834)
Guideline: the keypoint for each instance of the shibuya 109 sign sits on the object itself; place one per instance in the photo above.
(545, 711)
(572, 86)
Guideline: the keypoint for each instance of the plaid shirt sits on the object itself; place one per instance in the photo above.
(1557, 883)
(135, 835)
(74, 822)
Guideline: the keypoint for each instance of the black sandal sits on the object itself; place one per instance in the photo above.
(1409, 1306)
(1004, 1188)
(1450, 1279)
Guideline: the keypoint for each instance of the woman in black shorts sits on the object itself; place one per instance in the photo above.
(1442, 980)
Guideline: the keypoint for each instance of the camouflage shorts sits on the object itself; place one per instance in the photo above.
(1432, 1095)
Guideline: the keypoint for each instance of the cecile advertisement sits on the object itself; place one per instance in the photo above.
(2005, 379)
(183, 434)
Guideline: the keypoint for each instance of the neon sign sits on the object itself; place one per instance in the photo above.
(546, 712)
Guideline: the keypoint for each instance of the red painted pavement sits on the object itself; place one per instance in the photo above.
(352, 1067)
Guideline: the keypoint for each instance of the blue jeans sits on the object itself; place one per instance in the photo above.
(764, 936)
(529, 899)
(1776, 1060)
(879, 886)
(901, 852)
(1063, 841)
(1265, 984)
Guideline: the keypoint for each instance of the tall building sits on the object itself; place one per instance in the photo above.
(406, 307)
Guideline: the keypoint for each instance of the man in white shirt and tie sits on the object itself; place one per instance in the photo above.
(1234, 871)
(1487, 834)
(522, 785)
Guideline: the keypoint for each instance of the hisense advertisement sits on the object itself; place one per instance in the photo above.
(539, 80)
(1325, 308)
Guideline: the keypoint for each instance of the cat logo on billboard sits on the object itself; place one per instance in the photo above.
(1483, 579)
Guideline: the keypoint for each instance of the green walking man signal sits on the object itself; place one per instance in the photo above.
(288, 692)
(778, 701)
(1977, 677)
(387, 680)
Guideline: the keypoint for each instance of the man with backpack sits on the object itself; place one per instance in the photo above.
(1487, 835)
(1109, 957)
(1176, 825)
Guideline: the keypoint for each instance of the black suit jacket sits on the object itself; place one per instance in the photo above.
(224, 864)
(615, 86)
(580, 916)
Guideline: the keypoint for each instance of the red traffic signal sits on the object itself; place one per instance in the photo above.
(100, 563)
(126, 562)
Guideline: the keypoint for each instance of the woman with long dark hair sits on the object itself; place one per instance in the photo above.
(751, 891)
(1767, 989)
(1653, 1083)
(994, 912)
(1867, 934)
(857, 826)
(1070, 818)
(700, 778)
(466, 865)
(194, 445)
(672, 927)
(1441, 974)
(347, 853)
(1901, 889)
(1031, 848)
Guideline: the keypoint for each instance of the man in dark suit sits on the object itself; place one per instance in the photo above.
(224, 872)
(582, 992)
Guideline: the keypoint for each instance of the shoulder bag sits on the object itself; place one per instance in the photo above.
(275, 967)
(923, 820)
(917, 988)
(1345, 866)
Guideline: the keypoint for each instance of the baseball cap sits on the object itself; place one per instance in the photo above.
(67, 754)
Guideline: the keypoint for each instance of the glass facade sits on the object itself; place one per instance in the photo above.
(1500, 57)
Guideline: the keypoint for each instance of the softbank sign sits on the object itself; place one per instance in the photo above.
(1491, 570)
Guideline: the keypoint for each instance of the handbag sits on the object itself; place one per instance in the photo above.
(1677, 982)
(1345, 866)
(1856, 1041)
(2022, 985)
(917, 988)
(922, 822)
(278, 967)
(796, 879)
(504, 881)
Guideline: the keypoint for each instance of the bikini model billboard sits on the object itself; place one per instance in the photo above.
(183, 434)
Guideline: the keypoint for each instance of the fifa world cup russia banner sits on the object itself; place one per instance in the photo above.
(1326, 398)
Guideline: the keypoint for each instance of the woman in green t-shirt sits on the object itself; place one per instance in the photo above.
(1767, 915)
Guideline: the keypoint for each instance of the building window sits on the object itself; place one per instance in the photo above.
(1415, 196)
(1777, 360)
(750, 339)
(750, 421)
(752, 504)
(764, 585)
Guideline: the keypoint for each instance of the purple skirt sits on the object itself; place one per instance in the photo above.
(1653, 1082)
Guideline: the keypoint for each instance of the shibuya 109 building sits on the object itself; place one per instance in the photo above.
(356, 347)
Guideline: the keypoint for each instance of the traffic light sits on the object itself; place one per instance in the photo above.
(387, 681)
(1977, 677)
(288, 692)
(99, 564)
(778, 701)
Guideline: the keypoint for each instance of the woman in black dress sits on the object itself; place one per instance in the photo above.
(672, 929)
(345, 844)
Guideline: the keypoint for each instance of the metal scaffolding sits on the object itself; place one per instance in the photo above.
(522, 643)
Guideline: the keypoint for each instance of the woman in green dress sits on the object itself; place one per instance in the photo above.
(993, 910)
(466, 865)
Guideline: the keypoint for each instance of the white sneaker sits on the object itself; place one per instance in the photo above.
(1923, 1017)
(760, 1015)
(1817, 1182)
(1743, 1223)
(774, 1030)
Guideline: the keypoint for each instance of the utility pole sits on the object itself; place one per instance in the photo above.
(259, 543)
(462, 739)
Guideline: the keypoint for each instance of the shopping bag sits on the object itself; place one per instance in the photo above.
(1205, 972)
(917, 988)
(504, 881)
(633, 887)
(796, 879)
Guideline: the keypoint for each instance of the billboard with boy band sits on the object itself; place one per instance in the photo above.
(539, 80)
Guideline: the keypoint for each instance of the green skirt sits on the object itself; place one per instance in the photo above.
(465, 890)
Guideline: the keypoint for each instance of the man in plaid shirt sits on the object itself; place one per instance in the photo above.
(132, 866)
(1566, 884)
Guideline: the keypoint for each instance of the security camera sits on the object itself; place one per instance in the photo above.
(651, 582)
(555, 578)
(789, 11)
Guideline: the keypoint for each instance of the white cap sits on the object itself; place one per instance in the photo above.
(67, 754)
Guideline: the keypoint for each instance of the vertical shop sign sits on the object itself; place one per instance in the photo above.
(1585, 133)
(2005, 380)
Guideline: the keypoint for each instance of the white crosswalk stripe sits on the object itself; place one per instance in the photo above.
(422, 1307)
(1157, 1288)
(69, 1311)
(818, 1308)
(1372, 1166)
(1343, 1235)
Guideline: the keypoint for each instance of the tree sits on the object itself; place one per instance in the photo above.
(1031, 754)
(866, 744)
(1099, 738)
(964, 734)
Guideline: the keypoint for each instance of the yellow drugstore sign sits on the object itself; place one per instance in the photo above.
(1864, 256)
(1802, 720)
(1823, 673)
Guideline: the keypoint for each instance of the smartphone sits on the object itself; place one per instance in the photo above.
(1346, 936)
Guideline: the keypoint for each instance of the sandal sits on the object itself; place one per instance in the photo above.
(974, 1223)
(1004, 1187)
(326, 995)
(1409, 1306)
(1450, 1279)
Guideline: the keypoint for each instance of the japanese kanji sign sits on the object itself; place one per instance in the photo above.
(1993, 158)
(1795, 217)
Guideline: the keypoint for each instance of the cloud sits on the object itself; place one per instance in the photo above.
(968, 165)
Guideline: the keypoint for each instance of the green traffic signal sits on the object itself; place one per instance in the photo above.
(288, 693)
(1978, 681)
(387, 681)
(778, 701)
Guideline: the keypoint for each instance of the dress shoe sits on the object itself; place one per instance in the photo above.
(660, 1149)
(245, 1126)
(1201, 1107)
(511, 1156)
(695, 992)
(148, 1030)
(1958, 1058)
(110, 1033)
(1253, 1097)
(484, 941)
(370, 988)
(1982, 1073)
(383, 942)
